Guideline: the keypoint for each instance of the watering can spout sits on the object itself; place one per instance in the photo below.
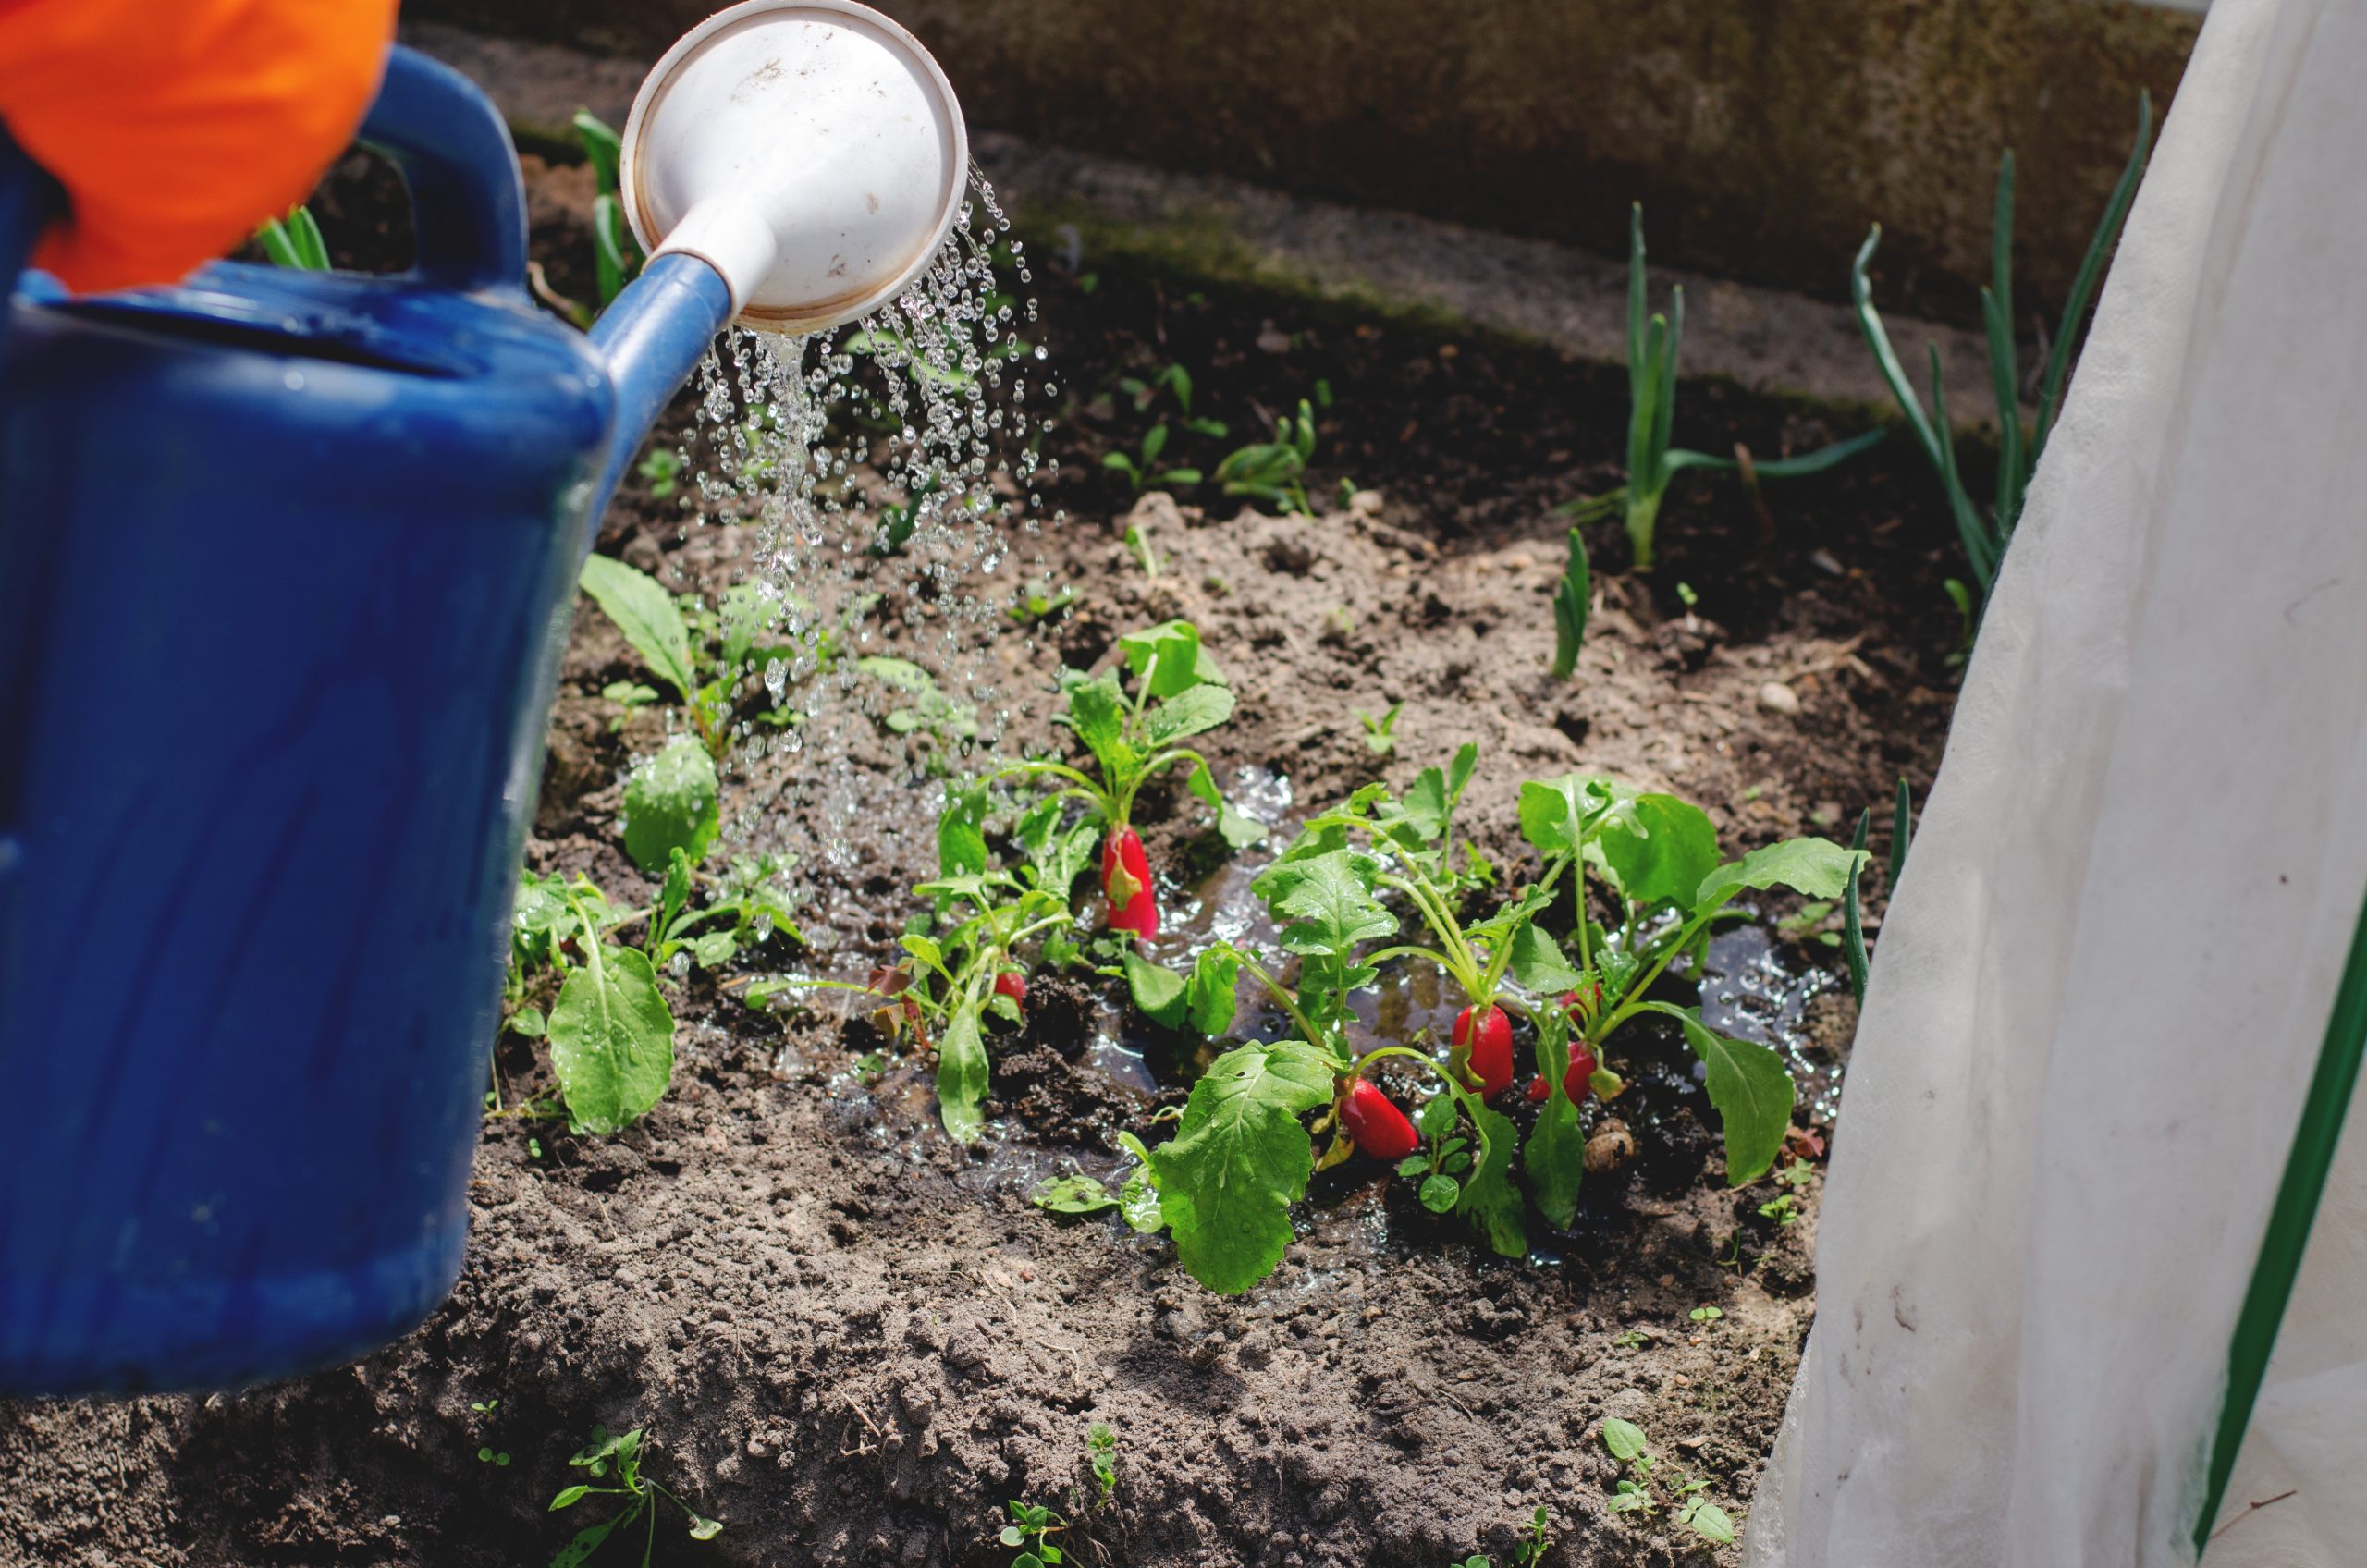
(793, 164)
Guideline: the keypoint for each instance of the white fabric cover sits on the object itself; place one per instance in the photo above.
(2102, 989)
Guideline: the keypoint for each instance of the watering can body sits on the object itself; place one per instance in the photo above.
(286, 562)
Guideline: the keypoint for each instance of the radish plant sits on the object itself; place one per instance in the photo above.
(616, 254)
(1652, 463)
(617, 1459)
(1179, 693)
(609, 1029)
(1240, 1155)
(1985, 538)
(1148, 472)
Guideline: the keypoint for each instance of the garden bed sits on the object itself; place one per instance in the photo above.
(853, 1340)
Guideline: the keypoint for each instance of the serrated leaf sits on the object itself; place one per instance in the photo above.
(1325, 903)
(1488, 1199)
(1239, 1159)
(671, 803)
(1750, 1087)
(1210, 998)
(1071, 1194)
(1818, 867)
(1239, 830)
(1191, 712)
(1625, 1439)
(1181, 663)
(1556, 1158)
(612, 1041)
(1096, 712)
(1157, 990)
(1538, 962)
(1658, 848)
(1071, 853)
(647, 616)
(962, 1077)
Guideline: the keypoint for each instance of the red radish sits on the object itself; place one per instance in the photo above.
(1576, 1083)
(1012, 984)
(1380, 1129)
(1485, 1053)
(1125, 882)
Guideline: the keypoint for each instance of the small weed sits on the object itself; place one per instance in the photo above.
(1783, 1208)
(1146, 472)
(1630, 1339)
(618, 1458)
(662, 469)
(1380, 737)
(1643, 1490)
(1101, 1453)
(1030, 1533)
(1706, 1313)
(1533, 1543)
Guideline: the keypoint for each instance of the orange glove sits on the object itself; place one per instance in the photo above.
(178, 126)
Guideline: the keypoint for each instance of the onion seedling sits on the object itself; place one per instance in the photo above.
(1984, 538)
(1652, 463)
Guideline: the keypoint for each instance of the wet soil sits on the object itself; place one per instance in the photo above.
(855, 1342)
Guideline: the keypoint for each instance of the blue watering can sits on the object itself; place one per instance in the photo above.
(287, 563)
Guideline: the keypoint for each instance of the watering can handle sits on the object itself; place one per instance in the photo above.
(468, 200)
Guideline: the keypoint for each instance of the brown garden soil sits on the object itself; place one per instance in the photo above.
(853, 1342)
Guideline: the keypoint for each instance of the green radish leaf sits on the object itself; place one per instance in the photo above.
(962, 1077)
(1750, 1087)
(612, 1041)
(1069, 856)
(529, 1023)
(1710, 1522)
(904, 675)
(672, 803)
(585, 1543)
(1537, 962)
(1211, 997)
(1181, 663)
(1553, 811)
(1239, 1159)
(962, 830)
(1555, 1159)
(702, 1527)
(714, 948)
(1426, 805)
(1157, 990)
(748, 613)
(567, 1498)
(647, 616)
(1239, 830)
(1138, 1197)
(1190, 712)
(1818, 867)
(1072, 1195)
(1096, 712)
(1326, 902)
(1625, 1439)
(1434, 1117)
(1459, 772)
(1488, 1199)
(1441, 1194)
(673, 893)
(1658, 848)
